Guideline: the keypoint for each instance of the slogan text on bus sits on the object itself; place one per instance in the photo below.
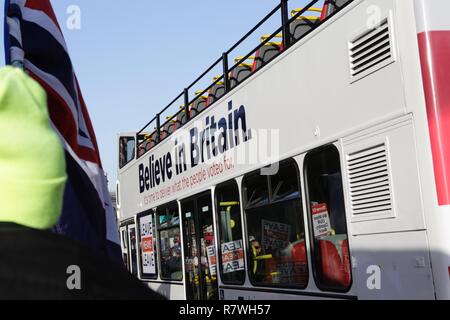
(217, 137)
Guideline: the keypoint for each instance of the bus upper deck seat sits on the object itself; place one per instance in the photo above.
(200, 104)
(330, 6)
(146, 145)
(172, 126)
(303, 24)
(164, 133)
(216, 92)
(181, 118)
(150, 141)
(168, 128)
(241, 72)
(266, 53)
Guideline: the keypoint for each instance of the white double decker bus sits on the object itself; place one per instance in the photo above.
(317, 166)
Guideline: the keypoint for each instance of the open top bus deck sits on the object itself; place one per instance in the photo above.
(317, 166)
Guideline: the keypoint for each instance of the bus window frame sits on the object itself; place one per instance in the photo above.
(300, 218)
(143, 276)
(130, 225)
(123, 229)
(312, 247)
(219, 233)
(158, 236)
(127, 161)
(126, 224)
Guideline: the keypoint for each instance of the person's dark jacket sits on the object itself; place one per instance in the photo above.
(36, 265)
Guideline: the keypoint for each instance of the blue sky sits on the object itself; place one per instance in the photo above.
(133, 57)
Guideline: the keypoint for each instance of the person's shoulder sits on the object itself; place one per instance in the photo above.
(106, 279)
(43, 262)
(15, 238)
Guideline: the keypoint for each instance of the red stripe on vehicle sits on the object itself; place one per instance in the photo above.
(434, 54)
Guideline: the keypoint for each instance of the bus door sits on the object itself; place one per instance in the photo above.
(132, 254)
(199, 248)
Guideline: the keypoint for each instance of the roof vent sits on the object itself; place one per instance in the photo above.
(371, 51)
(369, 178)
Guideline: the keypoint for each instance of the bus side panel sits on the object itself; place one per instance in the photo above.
(381, 174)
(389, 243)
(392, 266)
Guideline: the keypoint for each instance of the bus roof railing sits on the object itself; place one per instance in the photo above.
(287, 40)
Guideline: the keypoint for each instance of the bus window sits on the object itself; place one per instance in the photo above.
(277, 248)
(146, 245)
(327, 220)
(231, 250)
(126, 150)
(170, 242)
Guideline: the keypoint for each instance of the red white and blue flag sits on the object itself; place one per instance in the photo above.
(34, 41)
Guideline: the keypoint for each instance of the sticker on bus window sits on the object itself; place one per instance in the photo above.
(232, 256)
(321, 220)
(147, 246)
(211, 253)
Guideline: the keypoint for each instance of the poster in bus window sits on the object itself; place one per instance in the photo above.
(232, 256)
(147, 248)
(275, 235)
(208, 235)
(321, 220)
(211, 254)
(291, 267)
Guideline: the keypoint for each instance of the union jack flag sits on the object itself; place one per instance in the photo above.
(35, 42)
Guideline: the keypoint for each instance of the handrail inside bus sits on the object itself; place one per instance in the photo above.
(288, 39)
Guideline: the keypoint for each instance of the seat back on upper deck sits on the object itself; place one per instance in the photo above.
(331, 6)
(216, 92)
(181, 118)
(172, 126)
(199, 104)
(147, 143)
(168, 128)
(241, 71)
(304, 23)
(267, 52)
